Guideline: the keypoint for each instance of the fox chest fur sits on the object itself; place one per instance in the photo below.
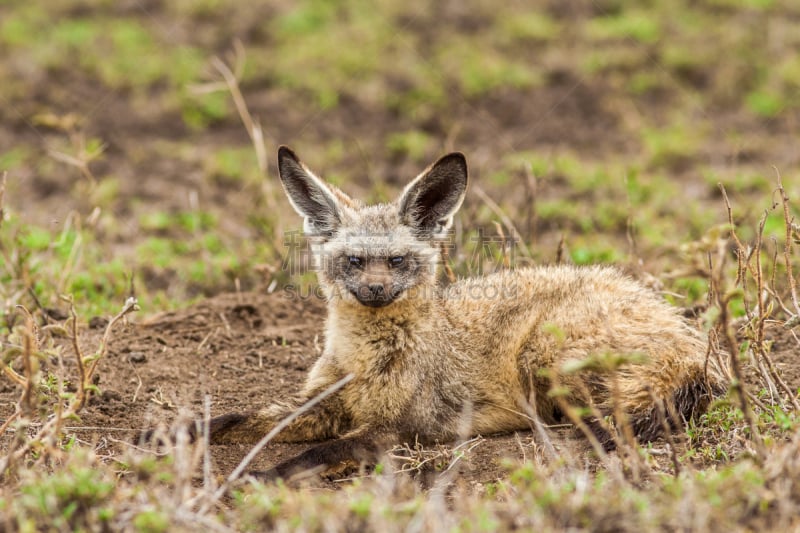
(403, 368)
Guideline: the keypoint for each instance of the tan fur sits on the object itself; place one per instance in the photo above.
(435, 360)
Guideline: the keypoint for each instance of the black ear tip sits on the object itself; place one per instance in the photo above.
(454, 158)
(285, 152)
(456, 165)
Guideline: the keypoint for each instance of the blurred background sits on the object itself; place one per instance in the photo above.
(596, 131)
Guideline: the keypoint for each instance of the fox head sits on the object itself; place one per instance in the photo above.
(376, 255)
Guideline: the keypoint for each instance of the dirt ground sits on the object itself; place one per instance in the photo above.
(243, 350)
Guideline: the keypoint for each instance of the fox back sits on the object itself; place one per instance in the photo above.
(477, 356)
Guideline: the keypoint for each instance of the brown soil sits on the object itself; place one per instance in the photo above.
(242, 351)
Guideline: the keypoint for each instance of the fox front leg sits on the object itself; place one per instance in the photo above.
(325, 420)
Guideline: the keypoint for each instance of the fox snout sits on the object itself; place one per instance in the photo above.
(375, 287)
(375, 295)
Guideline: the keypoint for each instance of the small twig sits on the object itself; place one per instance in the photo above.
(131, 305)
(253, 128)
(73, 337)
(82, 160)
(74, 252)
(504, 218)
(12, 374)
(665, 427)
(445, 255)
(2, 196)
(630, 228)
(207, 479)
(139, 382)
(622, 422)
(506, 244)
(529, 405)
(8, 422)
(226, 324)
(30, 346)
(239, 470)
(205, 339)
(738, 375)
(560, 249)
(787, 245)
(531, 184)
(577, 421)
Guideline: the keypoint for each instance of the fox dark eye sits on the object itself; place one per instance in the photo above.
(397, 260)
(355, 261)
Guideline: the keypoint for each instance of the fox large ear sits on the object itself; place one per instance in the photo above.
(309, 195)
(429, 202)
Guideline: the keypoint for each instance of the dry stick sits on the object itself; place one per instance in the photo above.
(529, 406)
(771, 285)
(793, 319)
(630, 230)
(207, 479)
(3, 196)
(76, 349)
(763, 312)
(787, 246)
(507, 221)
(271, 435)
(12, 375)
(3, 253)
(715, 284)
(131, 305)
(772, 374)
(764, 356)
(81, 163)
(200, 523)
(505, 246)
(29, 346)
(8, 421)
(626, 431)
(665, 427)
(74, 252)
(713, 347)
(59, 405)
(445, 257)
(531, 185)
(569, 410)
(560, 250)
(783, 385)
(444, 481)
(742, 248)
(757, 402)
(763, 315)
(738, 385)
(253, 128)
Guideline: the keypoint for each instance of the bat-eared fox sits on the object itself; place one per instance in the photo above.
(431, 363)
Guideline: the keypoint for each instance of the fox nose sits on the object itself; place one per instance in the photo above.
(374, 294)
(377, 291)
